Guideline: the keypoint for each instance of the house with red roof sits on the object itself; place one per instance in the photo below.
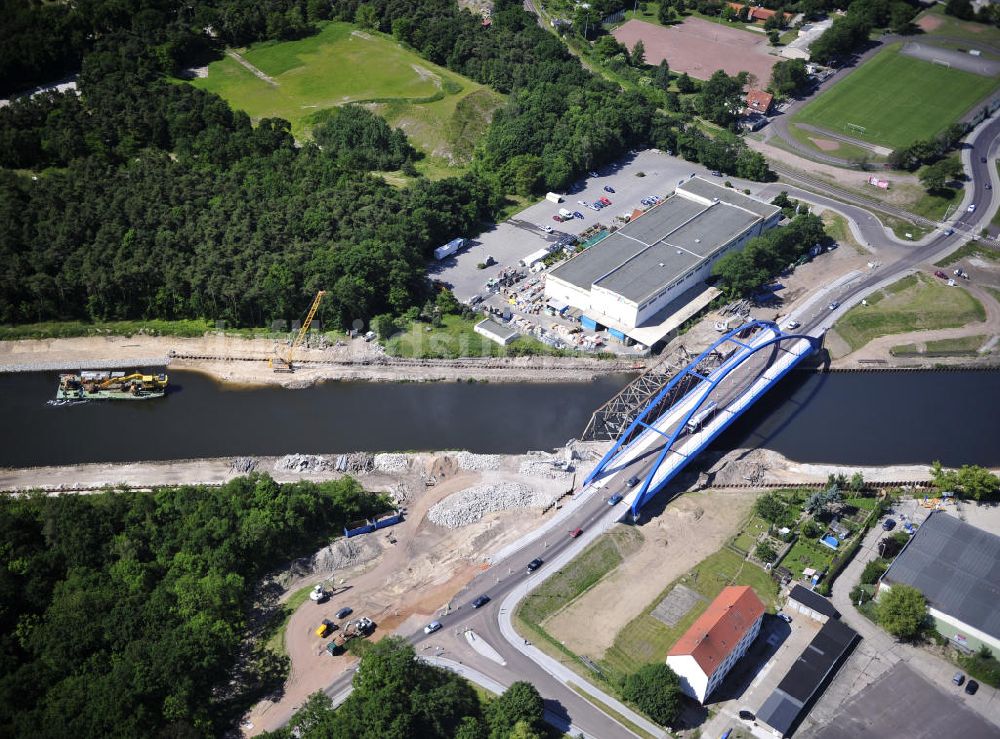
(758, 102)
(722, 634)
(756, 14)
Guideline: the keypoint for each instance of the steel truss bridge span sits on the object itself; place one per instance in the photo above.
(699, 402)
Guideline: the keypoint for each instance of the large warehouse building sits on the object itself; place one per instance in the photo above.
(627, 282)
(957, 568)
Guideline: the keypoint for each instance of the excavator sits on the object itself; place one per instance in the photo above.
(280, 363)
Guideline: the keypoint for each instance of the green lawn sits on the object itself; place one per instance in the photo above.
(844, 150)
(456, 337)
(581, 574)
(646, 639)
(963, 346)
(836, 226)
(443, 113)
(969, 249)
(953, 28)
(807, 553)
(897, 99)
(186, 328)
(922, 303)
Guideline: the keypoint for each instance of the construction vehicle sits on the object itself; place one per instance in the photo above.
(325, 628)
(353, 629)
(108, 385)
(284, 363)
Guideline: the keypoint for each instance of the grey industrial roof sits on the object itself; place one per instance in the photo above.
(642, 257)
(813, 600)
(805, 678)
(957, 568)
(502, 330)
(706, 189)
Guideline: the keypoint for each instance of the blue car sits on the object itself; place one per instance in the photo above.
(608, 188)
(577, 214)
(615, 499)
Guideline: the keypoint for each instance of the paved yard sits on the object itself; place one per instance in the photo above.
(901, 703)
(754, 677)
(510, 241)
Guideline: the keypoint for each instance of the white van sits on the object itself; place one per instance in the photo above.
(566, 213)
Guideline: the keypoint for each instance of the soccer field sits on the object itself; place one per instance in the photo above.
(442, 112)
(894, 100)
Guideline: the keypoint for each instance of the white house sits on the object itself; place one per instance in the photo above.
(713, 644)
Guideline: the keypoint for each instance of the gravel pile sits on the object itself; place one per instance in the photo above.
(543, 466)
(75, 365)
(470, 505)
(478, 462)
(304, 463)
(356, 462)
(244, 464)
(391, 462)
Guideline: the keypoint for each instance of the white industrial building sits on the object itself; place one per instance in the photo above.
(501, 333)
(625, 282)
(707, 651)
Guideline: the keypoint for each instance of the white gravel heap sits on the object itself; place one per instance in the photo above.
(470, 505)
(391, 462)
(304, 463)
(478, 462)
(539, 464)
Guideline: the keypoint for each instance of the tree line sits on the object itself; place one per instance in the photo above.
(397, 696)
(159, 201)
(126, 613)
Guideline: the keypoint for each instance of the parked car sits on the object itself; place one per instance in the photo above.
(481, 601)
(598, 205)
(546, 229)
(834, 305)
(575, 533)
(747, 715)
(958, 679)
(594, 174)
(557, 219)
(716, 173)
(344, 612)
(941, 274)
(888, 524)
(432, 627)
(971, 208)
(608, 188)
(615, 499)
(582, 202)
(633, 481)
(606, 201)
(534, 564)
(577, 214)
(971, 687)
(793, 324)
(784, 617)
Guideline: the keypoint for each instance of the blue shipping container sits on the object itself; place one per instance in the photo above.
(588, 323)
(389, 520)
(616, 333)
(364, 528)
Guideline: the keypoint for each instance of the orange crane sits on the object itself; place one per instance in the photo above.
(286, 361)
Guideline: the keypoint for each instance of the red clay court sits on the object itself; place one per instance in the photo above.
(699, 47)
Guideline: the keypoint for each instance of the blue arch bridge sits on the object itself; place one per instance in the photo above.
(660, 425)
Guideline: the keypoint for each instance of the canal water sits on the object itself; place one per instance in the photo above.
(864, 419)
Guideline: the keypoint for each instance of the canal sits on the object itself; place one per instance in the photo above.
(864, 419)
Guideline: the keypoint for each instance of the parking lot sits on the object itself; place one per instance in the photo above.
(902, 703)
(516, 238)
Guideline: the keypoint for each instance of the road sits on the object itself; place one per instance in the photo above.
(591, 513)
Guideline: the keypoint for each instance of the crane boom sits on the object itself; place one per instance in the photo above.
(300, 337)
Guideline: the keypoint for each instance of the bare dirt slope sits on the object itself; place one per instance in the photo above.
(690, 529)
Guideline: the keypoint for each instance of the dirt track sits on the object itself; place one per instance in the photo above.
(699, 48)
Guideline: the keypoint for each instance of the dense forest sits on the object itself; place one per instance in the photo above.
(397, 696)
(123, 613)
(142, 198)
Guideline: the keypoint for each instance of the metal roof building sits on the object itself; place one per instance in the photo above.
(805, 679)
(957, 568)
(628, 278)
